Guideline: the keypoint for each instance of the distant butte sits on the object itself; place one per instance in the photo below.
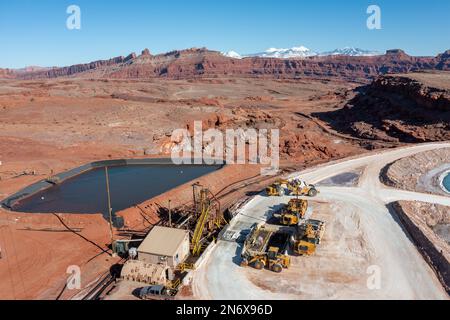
(145, 52)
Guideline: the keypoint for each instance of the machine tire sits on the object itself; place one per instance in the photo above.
(277, 268)
(258, 265)
(312, 192)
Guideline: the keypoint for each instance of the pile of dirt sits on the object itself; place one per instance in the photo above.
(420, 172)
(406, 108)
(429, 226)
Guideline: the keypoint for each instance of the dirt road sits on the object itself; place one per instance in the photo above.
(362, 235)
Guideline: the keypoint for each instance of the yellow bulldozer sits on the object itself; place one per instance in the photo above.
(294, 211)
(308, 237)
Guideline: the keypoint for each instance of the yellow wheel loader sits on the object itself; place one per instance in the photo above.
(298, 205)
(293, 212)
(308, 237)
(276, 261)
(304, 248)
(271, 260)
(289, 219)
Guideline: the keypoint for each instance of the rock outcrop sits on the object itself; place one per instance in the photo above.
(406, 108)
(428, 226)
(7, 74)
(145, 52)
(75, 69)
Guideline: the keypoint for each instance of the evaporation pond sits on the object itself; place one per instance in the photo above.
(129, 185)
(446, 182)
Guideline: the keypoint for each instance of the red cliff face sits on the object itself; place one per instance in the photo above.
(75, 69)
(7, 74)
(205, 63)
(444, 61)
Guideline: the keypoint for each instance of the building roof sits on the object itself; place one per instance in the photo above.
(163, 241)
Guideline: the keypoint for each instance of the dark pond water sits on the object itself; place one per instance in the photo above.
(446, 182)
(129, 185)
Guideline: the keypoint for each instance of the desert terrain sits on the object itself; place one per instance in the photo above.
(50, 126)
(328, 110)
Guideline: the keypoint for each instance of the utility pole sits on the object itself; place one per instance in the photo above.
(194, 197)
(170, 215)
(109, 209)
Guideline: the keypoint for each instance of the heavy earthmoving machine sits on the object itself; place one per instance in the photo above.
(278, 188)
(295, 187)
(307, 237)
(299, 187)
(266, 248)
(293, 212)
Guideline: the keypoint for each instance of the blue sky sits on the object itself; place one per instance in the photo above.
(33, 32)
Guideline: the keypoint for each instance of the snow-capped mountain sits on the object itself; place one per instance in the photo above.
(302, 52)
(232, 54)
(349, 51)
(294, 52)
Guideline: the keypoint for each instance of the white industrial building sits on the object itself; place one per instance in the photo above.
(167, 246)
